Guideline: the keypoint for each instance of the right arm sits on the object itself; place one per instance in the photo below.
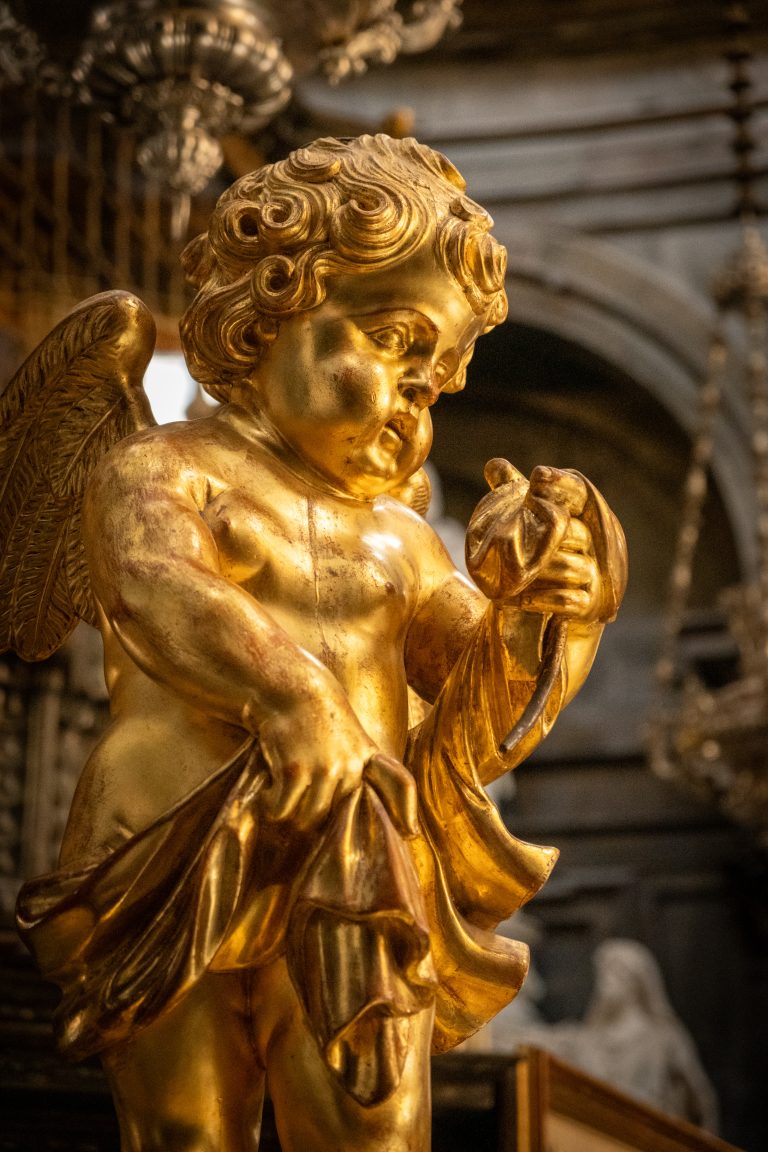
(154, 569)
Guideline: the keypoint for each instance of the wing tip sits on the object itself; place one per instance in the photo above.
(128, 308)
(131, 329)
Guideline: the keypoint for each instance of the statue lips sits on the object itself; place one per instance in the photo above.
(403, 424)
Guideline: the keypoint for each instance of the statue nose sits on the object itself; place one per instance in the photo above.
(419, 387)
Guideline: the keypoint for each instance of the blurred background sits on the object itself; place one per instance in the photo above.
(621, 148)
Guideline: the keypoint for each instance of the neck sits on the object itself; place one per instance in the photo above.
(253, 425)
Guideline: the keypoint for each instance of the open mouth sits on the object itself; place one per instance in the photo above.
(403, 425)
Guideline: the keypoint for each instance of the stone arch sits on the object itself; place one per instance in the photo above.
(652, 327)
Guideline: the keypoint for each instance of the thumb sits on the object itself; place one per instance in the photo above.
(499, 471)
(396, 789)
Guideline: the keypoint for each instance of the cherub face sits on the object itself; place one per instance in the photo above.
(348, 385)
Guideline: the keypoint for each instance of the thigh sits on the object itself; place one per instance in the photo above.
(190, 1081)
(312, 1110)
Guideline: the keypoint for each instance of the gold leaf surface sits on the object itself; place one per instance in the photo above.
(77, 395)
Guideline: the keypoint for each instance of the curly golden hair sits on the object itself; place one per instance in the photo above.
(334, 208)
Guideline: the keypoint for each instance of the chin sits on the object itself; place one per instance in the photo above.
(375, 474)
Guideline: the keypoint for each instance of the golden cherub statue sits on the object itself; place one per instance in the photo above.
(267, 876)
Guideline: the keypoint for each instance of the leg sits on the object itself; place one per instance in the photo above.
(313, 1112)
(190, 1082)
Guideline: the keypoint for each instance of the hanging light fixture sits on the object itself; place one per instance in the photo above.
(20, 50)
(185, 73)
(716, 739)
(103, 150)
(346, 36)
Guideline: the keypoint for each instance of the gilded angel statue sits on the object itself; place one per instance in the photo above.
(270, 877)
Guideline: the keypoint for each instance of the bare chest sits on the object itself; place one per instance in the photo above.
(314, 561)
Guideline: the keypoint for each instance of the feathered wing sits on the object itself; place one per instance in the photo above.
(77, 395)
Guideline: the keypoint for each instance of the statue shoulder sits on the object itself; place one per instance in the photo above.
(422, 544)
(186, 457)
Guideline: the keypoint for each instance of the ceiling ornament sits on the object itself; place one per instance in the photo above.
(714, 738)
(352, 34)
(21, 53)
(186, 73)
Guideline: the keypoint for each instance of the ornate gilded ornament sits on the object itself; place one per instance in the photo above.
(21, 53)
(175, 78)
(713, 739)
(184, 75)
(269, 869)
(349, 36)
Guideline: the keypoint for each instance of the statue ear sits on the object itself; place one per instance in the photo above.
(197, 260)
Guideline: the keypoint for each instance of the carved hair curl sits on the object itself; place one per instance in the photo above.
(336, 207)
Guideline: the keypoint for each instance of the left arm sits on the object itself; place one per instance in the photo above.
(535, 559)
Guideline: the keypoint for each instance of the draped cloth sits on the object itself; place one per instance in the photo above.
(375, 923)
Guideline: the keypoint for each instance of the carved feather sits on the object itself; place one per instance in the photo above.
(76, 396)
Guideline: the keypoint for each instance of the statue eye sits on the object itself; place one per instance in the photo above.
(451, 370)
(445, 368)
(393, 338)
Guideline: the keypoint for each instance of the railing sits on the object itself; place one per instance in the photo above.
(77, 216)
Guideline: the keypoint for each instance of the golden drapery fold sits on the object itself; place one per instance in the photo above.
(391, 920)
(125, 937)
(359, 947)
(473, 872)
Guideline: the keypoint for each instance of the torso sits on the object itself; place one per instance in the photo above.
(339, 576)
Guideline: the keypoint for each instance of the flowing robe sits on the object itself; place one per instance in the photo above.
(375, 922)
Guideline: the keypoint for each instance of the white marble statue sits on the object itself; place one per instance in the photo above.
(630, 1036)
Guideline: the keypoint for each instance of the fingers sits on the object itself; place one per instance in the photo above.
(305, 798)
(396, 787)
(568, 586)
(566, 491)
(557, 498)
(570, 602)
(283, 795)
(544, 536)
(570, 569)
(536, 550)
(577, 538)
(499, 471)
(564, 488)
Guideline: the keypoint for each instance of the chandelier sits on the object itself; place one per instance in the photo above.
(183, 76)
(715, 739)
(185, 73)
(20, 50)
